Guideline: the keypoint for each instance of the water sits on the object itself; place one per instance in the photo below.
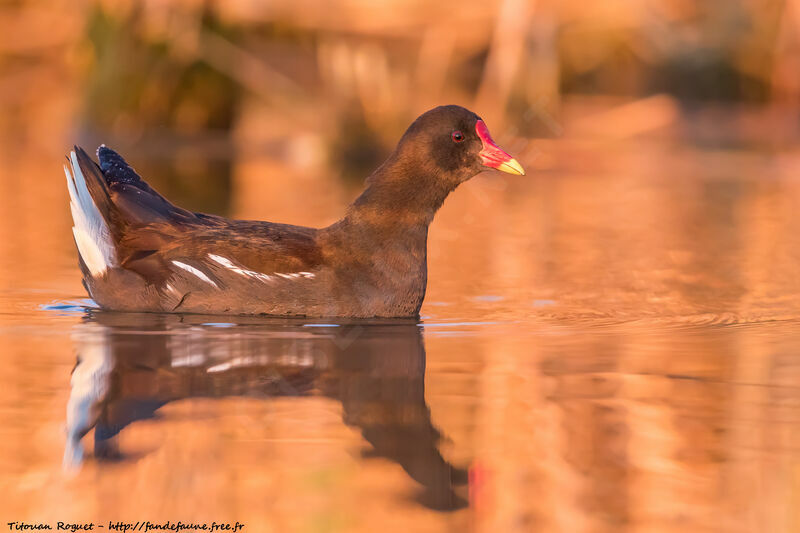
(609, 344)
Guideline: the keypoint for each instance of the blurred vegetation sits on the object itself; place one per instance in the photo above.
(183, 76)
(145, 85)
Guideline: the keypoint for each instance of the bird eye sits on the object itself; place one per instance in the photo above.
(457, 136)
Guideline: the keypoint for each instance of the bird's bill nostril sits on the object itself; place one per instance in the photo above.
(493, 156)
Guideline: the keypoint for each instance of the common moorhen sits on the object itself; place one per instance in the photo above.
(139, 252)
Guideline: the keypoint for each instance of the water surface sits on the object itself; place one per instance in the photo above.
(609, 344)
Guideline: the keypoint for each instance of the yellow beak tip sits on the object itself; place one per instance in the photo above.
(512, 167)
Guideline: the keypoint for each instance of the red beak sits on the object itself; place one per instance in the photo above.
(492, 156)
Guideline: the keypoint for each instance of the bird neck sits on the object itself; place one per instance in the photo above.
(383, 238)
(402, 195)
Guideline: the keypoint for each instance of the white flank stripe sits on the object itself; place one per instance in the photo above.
(230, 265)
(91, 232)
(227, 263)
(192, 270)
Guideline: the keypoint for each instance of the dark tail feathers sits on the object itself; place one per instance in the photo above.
(132, 200)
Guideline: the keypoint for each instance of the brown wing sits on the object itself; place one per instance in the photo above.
(150, 233)
(263, 247)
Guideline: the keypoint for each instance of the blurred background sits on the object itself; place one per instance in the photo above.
(213, 100)
(607, 344)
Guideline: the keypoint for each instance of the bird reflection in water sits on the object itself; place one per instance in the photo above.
(129, 365)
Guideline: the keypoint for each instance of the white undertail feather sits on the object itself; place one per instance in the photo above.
(90, 384)
(91, 232)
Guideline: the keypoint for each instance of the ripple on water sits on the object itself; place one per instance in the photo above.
(69, 307)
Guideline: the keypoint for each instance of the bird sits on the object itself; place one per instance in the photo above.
(139, 252)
